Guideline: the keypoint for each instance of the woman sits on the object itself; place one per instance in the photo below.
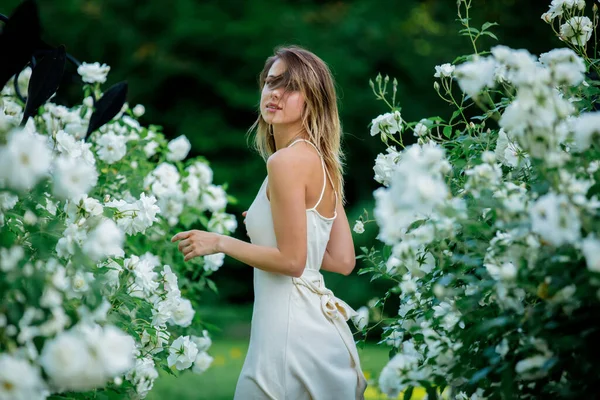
(300, 345)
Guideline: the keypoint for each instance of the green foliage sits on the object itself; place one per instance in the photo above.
(194, 65)
(495, 257)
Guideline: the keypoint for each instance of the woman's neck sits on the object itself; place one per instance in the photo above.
(284, 136)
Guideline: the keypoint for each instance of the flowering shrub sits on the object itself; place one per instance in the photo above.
(490, 223)
(93, 295)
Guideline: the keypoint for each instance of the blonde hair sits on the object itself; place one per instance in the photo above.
(320, 118)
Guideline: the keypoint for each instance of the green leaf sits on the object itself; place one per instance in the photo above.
(168, 370)
(408, 393)
(375, 276)
(447, 131)
(232, 200)
(212, 285)
(455, 114)
(497, 322)
(187, 219)
(469, 31)
(203, 220)
(490, 34)
(436, 119)
(488, 25)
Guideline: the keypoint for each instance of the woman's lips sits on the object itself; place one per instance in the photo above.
(272, 107)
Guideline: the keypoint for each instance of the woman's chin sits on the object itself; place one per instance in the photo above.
(268, 118)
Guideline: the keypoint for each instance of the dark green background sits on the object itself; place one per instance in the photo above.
(194, 65)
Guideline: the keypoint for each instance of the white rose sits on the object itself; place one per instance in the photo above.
(182, 353)
(178, 148)
(104, 241)
(388, 123)
(213, 262)
(473, 76)
(116, 350)
(73, 177)
(139, 110)
(577, 30)
(359, 227)
(361, 319)
(202, 342)
(68, 363)
(444, 70)
(24, 160)
(202, 362)
(150, 148)
(142, 376)
(591, 251)
(20, 380)
(420, 129)
(111, 147)
(92, 73)
(183, 313)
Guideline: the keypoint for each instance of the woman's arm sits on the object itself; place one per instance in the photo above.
(288, 178)
(339, 256)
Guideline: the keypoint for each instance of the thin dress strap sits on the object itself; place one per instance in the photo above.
(325, 173)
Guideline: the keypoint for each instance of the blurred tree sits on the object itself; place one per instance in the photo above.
(194, 65)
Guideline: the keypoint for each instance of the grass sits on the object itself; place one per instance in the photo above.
(218, 382)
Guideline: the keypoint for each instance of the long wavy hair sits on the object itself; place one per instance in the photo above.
(320, 118)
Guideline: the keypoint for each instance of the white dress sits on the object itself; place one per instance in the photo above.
(301, 347)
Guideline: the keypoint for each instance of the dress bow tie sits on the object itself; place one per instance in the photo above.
(333, 307)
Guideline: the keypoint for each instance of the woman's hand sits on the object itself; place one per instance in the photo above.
(197, 243)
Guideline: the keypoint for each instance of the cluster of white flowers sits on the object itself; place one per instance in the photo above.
(67, 205)
(577, 29)
(135, 216)
(444, 70)
(536, 121)
(475, 225)
(86, 357)
(559, 7)
(416, 188)
(385, 164)
(166, 184)
(93, 73)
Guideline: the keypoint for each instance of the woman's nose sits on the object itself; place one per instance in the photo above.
(276, 94)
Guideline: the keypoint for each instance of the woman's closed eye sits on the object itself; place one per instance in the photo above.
(274, 82)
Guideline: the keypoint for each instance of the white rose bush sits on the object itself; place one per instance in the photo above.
(490, 222)
(94, 298)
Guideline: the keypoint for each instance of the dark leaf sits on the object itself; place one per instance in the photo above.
(44, 81)
(212, 285)
(408, 393)
(108, 106)
(18, 40)
(431, 393)
(479, 375)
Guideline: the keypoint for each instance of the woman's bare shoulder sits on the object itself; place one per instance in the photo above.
(295, 157)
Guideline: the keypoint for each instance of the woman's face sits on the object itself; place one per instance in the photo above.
(277, 106)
